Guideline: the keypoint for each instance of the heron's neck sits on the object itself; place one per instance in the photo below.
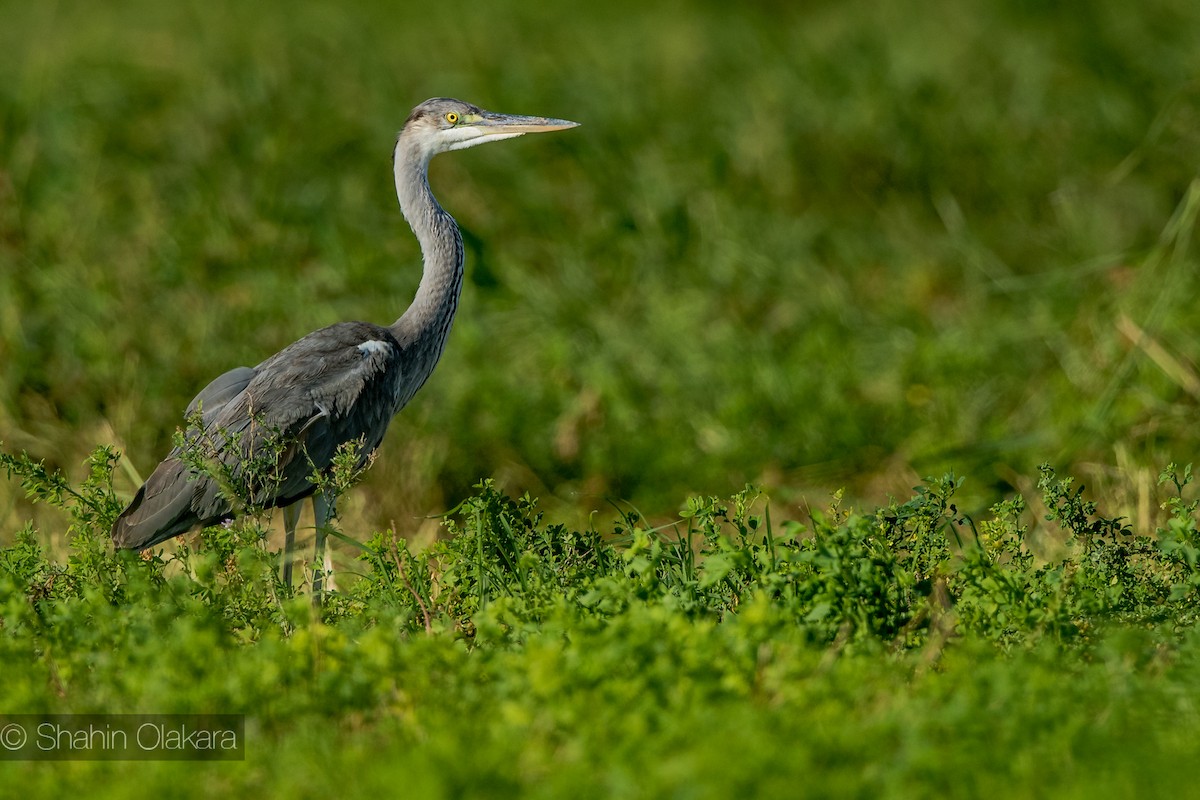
(424, 327)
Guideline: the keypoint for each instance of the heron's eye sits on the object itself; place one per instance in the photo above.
(451, 117)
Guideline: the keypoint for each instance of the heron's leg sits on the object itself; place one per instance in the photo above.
(323, 510)
(330, 578)
(291, 518)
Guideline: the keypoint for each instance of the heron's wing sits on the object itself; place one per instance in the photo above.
(161, 509)
(174, 499)
(333, 386)
(221, 390)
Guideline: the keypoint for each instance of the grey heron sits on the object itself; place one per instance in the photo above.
(337, 385)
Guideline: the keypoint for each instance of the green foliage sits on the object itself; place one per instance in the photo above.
(92, 505)
(827, 245)
(906, 650)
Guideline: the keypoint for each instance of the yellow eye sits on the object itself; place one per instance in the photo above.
(451, 117)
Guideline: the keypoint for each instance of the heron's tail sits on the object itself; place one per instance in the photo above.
(164, 507)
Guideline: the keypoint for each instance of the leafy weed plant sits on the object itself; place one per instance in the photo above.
(511, 630)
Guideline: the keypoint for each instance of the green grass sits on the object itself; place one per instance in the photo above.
(819, 247)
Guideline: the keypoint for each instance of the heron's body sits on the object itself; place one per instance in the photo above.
(351, 373)
(340, 384)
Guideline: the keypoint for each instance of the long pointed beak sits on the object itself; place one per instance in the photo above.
(517, 124)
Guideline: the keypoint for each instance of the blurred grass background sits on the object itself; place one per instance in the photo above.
(806, 245)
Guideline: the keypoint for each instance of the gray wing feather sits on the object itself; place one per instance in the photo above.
(212, 398)
(333, 386)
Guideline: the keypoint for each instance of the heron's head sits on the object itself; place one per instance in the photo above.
(442, 124)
